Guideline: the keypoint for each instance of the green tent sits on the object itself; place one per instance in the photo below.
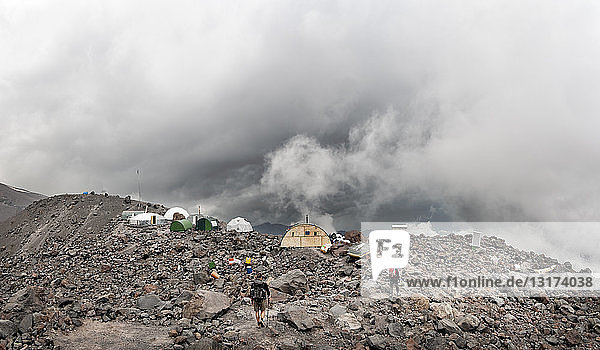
(203, 224)
(180, 225)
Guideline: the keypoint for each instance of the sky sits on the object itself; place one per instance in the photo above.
(347, 110)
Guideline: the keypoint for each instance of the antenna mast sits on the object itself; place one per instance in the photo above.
(139, 178)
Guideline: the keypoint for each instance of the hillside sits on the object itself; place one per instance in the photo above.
(13, 200)
(76, 276)
(66, 217)
(271, 229)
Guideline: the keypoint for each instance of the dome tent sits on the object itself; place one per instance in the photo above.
(239, 224)
(180, 225)
(169, 214)
(203, 224)
(207, 224)
(147, 219)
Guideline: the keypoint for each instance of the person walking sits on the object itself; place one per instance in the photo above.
(260, 295)
(248, 265)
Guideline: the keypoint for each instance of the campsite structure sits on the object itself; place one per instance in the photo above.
(130, 213)
(171, 212)
(207, 224)
(180, 225)
(239, 224)
(145, 219)
(305, 235)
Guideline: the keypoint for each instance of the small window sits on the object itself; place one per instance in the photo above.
(307, 233)
(315, 233)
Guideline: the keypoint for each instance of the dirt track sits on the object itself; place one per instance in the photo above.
(95, 335)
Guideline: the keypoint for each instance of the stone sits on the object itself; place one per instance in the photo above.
(206, 304)
(377, 342)
(448, 326)
(567, 309)
(27, 298)
(348, 322)
(186, 295)
(180, 339)
(499, 301)
(442, 310)
(396, 329)
(7, 329)
(297, 317)
(26, 323)
(437, 342)
(289, 344)
(65, 301)
(337, 310)
(150, 288)
(467, 322)
(552, 340)
(230, 335)
(291, 282)
(573, 337)
(148, 302)
(421, 303)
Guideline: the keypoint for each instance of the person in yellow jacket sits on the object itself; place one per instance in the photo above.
(248, 264)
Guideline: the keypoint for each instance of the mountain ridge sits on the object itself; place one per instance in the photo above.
(14, 199)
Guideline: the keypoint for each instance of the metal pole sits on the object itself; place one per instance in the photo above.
(139, 176)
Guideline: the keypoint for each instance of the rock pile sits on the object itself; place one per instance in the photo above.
(113, 273)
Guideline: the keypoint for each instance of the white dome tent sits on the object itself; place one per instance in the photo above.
(147, 219)
(239, 224)
(169, 214)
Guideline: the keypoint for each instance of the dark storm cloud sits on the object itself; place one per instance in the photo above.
(350, 111)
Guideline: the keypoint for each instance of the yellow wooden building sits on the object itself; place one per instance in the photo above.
(305, 235)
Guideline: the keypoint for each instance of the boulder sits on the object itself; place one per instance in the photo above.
(348, 322)
(396, 329)
(297, 317)
(7, 329)
(467, 322)
(206, 304)
(377, 342)
(27, 299)
(448, 326)
(26, 323)
(573, 337)
(294, 280)
(442, 310)
(337, 310)
(148, 302)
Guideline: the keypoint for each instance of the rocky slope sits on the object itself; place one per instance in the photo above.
(92, 280)
(64, 216)
(13, 200)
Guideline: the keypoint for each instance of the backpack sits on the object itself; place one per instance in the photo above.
(258, 291)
